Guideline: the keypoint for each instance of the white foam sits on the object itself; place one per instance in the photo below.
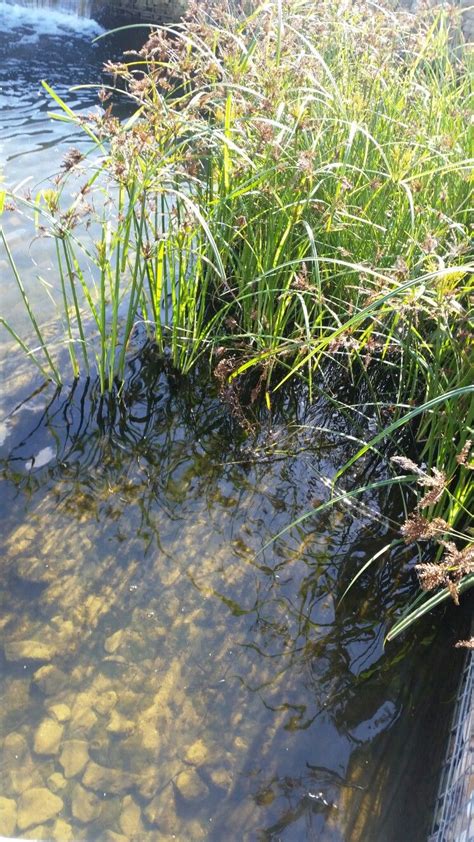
(44, 20)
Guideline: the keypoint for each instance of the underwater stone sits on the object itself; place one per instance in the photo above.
(85, 805)
(131, 818)
(48, 737)
(24, 778)
(38, 834)
(57, 782)
(113, 642)
(105, 779)
(111, 836)
(62, 831)
(198, 753)
(155, 777)
(14, 746)
(37, 805)
(221, 778)
(106, 702)
(29, 650)
(190, 786)
(7, 816)
(50, 680)
(74, 757)
(119, 725)
(83, 717)
(62, 713)
(161, 812)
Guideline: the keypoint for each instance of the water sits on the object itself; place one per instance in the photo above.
(39, 43)
(161, 677)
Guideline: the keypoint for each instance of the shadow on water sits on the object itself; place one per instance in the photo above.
(197, 688)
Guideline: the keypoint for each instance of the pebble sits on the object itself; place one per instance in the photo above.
(29, 650)
(14, 746)
(131, 818)
(62, 831)
(85, 806)
(161, 811)
(74, 757)
(56, 782)
(106, 702)
(7, 816)
(38, 834)
(62, 713)
(37, 805)
(120, 726)
(111, 836)
(221, 778)
(48, 737)
(190, 786)
(114, 641)
(104, 779)
(50, 680)
(198, 753)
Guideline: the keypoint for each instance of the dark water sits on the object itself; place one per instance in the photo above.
(160, 676)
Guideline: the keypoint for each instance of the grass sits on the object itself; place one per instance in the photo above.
(291, 198)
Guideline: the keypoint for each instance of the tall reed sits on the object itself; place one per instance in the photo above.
(292, 195)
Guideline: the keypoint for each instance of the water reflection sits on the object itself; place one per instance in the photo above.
(204, 690)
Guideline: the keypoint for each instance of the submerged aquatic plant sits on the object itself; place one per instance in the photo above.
(290, 199)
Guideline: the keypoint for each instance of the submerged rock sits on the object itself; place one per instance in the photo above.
(131, 818)
(221, 778)
(74, 757)
(85, 805)
(7, 816)
(62, 831)
(29, 650)
(106, 702)
(190, 786)
(50, 680)
(25, 777)
(83, 717)
(48, 737)
(111, 836)
(161, 812)
(38, 834)
(37, 805)
(15, 746)
(56, 782)
(198, 753)
(105, 779)
(120, 726)
(62, 713)
(114, 641)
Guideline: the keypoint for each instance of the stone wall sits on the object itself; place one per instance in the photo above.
(166, 11)
(145, 11)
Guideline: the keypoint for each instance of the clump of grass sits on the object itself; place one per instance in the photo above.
(291, 199)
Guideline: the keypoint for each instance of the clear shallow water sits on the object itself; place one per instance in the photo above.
(203, 691)
(36, 44)
(159, 677)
